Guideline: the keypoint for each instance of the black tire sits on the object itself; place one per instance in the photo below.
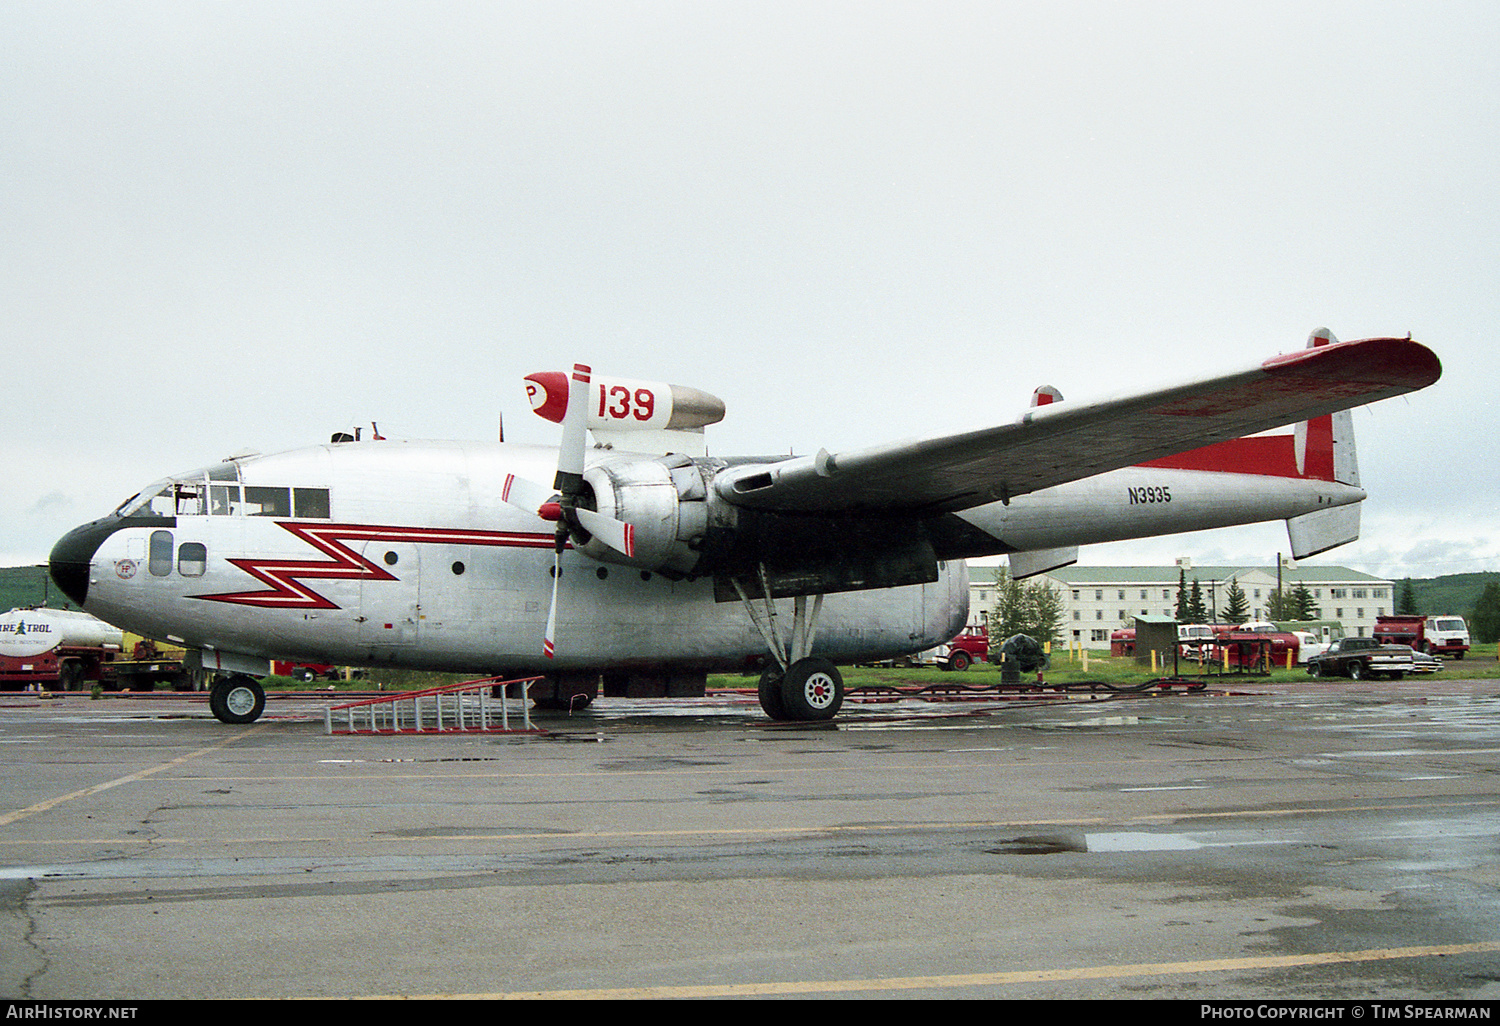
(813, 689)
(1356, 670)
(238, 699)
(69, 675)
(1316, 669)
(959, 660)
(770, 693)
(306, 675)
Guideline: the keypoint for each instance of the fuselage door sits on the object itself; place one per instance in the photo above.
(390, 610)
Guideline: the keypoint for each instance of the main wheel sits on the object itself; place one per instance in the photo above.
(239, 699)
(770, 693)
(812, 690)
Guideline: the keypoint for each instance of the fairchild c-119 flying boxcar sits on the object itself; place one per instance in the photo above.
(644, 564)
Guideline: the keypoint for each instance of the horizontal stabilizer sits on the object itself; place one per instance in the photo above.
(1323, 529)
(1039, 561)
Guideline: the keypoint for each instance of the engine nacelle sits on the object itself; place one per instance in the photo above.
(681, 527)
(663, 500)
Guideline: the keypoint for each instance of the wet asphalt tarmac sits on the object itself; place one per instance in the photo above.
(1291, 842)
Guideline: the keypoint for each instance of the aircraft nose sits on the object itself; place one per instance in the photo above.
(73, 555)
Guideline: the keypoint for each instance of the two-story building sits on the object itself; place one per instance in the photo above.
(1097, 600)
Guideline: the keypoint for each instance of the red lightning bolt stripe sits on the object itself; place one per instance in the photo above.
(284, 577)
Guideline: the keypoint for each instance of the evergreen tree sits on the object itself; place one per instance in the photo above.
(1484, 619)
(1197, 611)
(1278, 606)
(1034, 609)
(1301, 605)
(1236, 606)
(1183, 616)
(1408, 604)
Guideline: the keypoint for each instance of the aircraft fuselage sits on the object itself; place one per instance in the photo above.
(407, 554)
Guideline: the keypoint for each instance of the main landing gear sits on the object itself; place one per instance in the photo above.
(799, 685)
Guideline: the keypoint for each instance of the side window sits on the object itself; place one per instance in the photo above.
(268, 502)
(310, 502)
(192, 559)
(159, 555)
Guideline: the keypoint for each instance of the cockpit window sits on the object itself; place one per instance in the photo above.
(172, 499)
(217, 492)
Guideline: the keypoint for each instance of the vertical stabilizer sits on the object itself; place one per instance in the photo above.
(1325, 450)
(1325, 445)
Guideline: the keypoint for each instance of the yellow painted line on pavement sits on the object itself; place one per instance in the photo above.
(51, 803)
(890, 983)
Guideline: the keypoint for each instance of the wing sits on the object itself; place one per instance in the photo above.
(1054, 444)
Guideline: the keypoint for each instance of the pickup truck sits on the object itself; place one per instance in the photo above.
(970, 646)
(1360, 658)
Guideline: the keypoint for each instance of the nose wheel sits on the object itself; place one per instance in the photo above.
(237, 699)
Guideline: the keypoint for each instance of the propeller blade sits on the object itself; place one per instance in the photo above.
(549, 637)
(569, 481)
(617, 534)
(525, 494)
(575, 434)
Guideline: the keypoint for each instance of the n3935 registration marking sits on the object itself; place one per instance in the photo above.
(1149, 495)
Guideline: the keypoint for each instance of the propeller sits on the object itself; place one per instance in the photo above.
(560, 503)
(569, 484)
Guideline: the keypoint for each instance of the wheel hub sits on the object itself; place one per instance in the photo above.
(240, 701)
(819, 690)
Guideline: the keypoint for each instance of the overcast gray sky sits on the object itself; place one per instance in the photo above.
(247, 225)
